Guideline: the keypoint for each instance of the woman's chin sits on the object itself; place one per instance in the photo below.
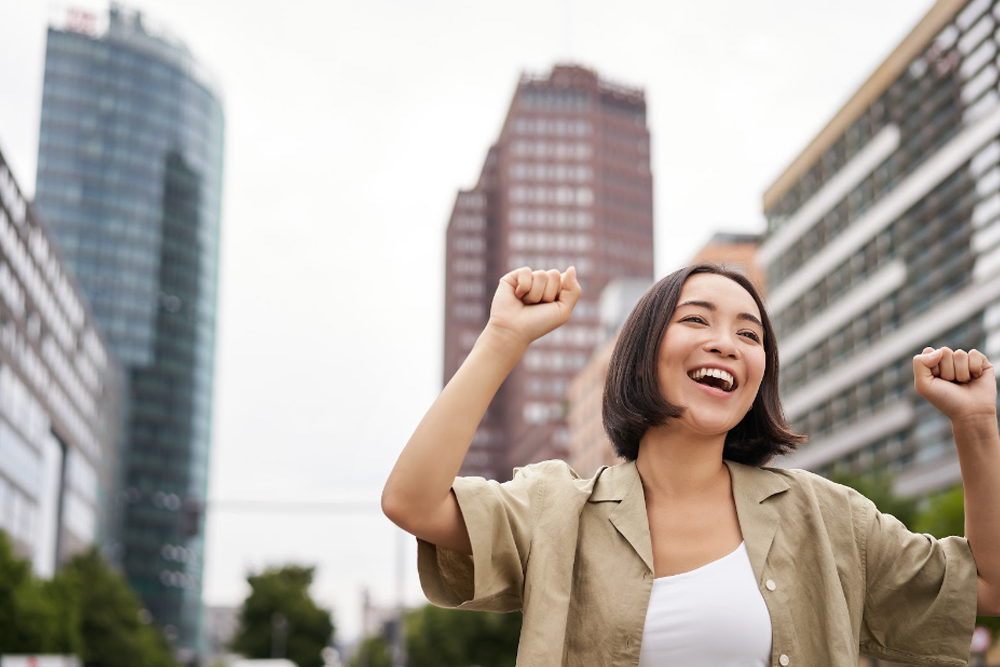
(713, 428)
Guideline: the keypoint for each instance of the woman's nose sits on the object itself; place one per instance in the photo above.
(723, 344)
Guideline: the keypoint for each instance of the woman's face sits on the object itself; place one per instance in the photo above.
(712, 358)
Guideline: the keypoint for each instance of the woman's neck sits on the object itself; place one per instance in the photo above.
(672, 464)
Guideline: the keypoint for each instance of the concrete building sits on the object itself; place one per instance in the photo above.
(130, 181)
(60, 398)
(737, 252)
(883, 236)
(588, 447)
(568, 182)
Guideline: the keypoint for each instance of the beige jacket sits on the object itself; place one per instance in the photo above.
(838, 577)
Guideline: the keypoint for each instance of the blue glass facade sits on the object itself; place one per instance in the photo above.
(129, 181)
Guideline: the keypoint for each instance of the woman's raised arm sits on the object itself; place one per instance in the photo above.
(963, 387)
(417, 496)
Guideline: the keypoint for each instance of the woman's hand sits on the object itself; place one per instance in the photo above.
(958, 383)
(962, 386)
(529, 304)
(417, 496)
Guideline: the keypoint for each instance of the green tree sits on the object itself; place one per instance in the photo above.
(877, 487)
(28, 616)
(66, 638)
(372, 652)
(438, 637)
(944, 515)
(110, 616)
(86, 610)
(279, 608)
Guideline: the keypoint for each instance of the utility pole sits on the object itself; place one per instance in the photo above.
(399, 636)
(279, 634)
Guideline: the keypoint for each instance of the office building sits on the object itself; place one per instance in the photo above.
(60, 398)
(568, 182)
(129, 179)
(736, 251)
(883, 236)
(588, 446)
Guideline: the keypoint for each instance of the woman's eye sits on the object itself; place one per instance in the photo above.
(694, 318)
(752, 335)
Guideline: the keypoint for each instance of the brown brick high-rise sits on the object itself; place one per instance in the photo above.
(567, 183)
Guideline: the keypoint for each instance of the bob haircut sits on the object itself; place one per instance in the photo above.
(632, 399)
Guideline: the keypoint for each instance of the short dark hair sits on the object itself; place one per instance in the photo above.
(633, 402)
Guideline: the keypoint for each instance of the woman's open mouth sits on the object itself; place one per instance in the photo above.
(714, 377)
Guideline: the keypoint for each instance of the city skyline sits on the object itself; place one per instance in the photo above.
(337, 186)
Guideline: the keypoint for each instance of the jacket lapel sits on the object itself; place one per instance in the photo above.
(758, 519)
(751, 488)
(621, 483)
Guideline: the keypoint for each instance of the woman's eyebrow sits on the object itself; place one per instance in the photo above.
(708, 305)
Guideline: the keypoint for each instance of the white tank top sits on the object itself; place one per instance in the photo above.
(713, 616)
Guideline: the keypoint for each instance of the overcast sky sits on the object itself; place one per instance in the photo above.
(350, 127)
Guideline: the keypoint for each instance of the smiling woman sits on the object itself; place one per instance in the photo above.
(643, 563)
(637, 392)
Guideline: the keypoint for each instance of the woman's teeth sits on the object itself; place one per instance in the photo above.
(715, 377)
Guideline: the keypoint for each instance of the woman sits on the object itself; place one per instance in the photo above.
(690, 553)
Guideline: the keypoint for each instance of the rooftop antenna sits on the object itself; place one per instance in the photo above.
(567, 31)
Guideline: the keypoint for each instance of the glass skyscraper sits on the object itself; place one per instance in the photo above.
(129, 181)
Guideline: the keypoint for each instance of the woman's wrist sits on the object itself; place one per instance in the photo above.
(502, 342)
(980, 427)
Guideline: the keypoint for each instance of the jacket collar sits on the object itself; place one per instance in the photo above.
(751, 487)
(758, 519)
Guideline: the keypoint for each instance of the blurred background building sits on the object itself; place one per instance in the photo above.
(883, 236)
(221, 624)
(589, 447)
(60, 398)
(129, 180)
(736, 252)
(567, 183)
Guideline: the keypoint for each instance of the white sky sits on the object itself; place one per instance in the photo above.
(350, 127)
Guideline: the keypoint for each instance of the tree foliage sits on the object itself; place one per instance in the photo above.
(28, 617)
(87, 610)
(877, 487)
(438, 637)
(111, 616)
(280, 596)
(373, 651)
(944, 515)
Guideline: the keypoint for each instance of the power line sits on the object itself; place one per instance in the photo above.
(295, 506)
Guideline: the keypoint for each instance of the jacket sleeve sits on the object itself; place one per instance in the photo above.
(500, 519)
(920, 595)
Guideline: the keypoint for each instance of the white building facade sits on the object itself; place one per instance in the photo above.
(59, 399)
(884, 237)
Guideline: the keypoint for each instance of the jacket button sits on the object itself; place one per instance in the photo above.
(770, 585)
(783, 660)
